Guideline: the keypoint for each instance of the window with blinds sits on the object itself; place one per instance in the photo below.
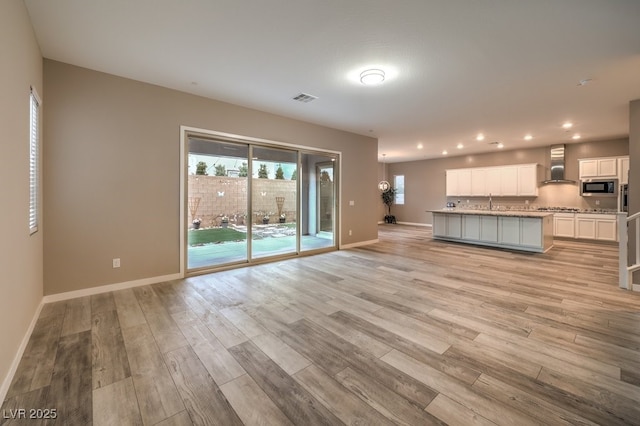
(34, 149)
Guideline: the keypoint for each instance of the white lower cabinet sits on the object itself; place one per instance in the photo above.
(530, 234)
(489, 229)
(607, 228)
(585, 227)
(564, 225)
(471, 227)
(601, 227)
(439, 225)
(445, 225)
(454, 226)
(509, 230)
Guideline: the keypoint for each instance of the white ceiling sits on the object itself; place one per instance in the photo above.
(454, 67)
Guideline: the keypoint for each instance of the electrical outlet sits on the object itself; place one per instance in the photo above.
(350, 233)
(597, 202)
(116, 262)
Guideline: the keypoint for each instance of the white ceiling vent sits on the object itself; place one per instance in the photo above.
(304, 97)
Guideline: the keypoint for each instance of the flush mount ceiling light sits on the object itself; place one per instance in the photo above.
(567, 125)
(500, 145)
(528, 137)
(576, 136)
(480, 137)
(372, 77)
(420, 146)
(444, 152)
(460, 146)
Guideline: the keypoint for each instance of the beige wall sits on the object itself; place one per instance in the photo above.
(113, 156)
(20, 254)
(425, 180)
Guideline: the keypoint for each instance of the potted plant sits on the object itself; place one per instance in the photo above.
(388, 197)
(225, 221)
(283, 218)
(196, 223)
(265, 219)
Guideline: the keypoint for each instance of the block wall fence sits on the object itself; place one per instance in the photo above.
(212, 197)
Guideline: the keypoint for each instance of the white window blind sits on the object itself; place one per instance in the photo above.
(34, 150)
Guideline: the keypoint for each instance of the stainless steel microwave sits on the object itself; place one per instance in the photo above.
(599, 187)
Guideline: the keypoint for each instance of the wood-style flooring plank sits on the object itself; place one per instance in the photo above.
(487, 407)
(109, 356)
(343, 403)
(116, 404)
(384, 400)
(165, 331)
(157, 396)
(203, 399)
(252, 404)
(70, 392)
(36, 366)
(129, 312)
(77, 317)
(281, 353)
(291, 398)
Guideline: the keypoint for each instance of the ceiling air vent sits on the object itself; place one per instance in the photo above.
(304, 97)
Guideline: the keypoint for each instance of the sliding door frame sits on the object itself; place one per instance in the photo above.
(186, 132)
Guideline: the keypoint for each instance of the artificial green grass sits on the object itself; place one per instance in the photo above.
(199, 237)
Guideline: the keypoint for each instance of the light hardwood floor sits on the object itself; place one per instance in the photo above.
(407, 331)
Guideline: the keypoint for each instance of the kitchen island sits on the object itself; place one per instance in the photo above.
(519, 230)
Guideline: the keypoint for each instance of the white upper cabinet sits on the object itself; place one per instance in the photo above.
(528, 180)
(492, 182)
(509, 181)
(478, 182)
(464, 182)
(599, 167)
(517, 180)
(452, 182)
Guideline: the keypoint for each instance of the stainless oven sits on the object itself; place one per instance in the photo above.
(599, 187)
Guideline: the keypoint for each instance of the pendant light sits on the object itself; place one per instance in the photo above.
(383, 186)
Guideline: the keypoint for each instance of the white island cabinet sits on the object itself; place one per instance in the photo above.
(527, 231)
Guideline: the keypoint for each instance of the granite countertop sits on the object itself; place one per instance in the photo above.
(511, 213)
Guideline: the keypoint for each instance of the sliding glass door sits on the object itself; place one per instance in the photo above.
(274, 202)
(251, 201)
(217, 203)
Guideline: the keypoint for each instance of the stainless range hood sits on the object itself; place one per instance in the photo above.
(557, 165)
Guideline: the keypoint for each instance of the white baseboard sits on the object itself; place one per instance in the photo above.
(358, 244)
(4, 388)
(428, 225)
(109, 287)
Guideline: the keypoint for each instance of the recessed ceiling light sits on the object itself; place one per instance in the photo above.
(460, 146)
(528, 137)
(576, 136)
(500, 145)
(480, 137)
(372, 77)
(444, 152)
(567, 125)
(420, 146)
